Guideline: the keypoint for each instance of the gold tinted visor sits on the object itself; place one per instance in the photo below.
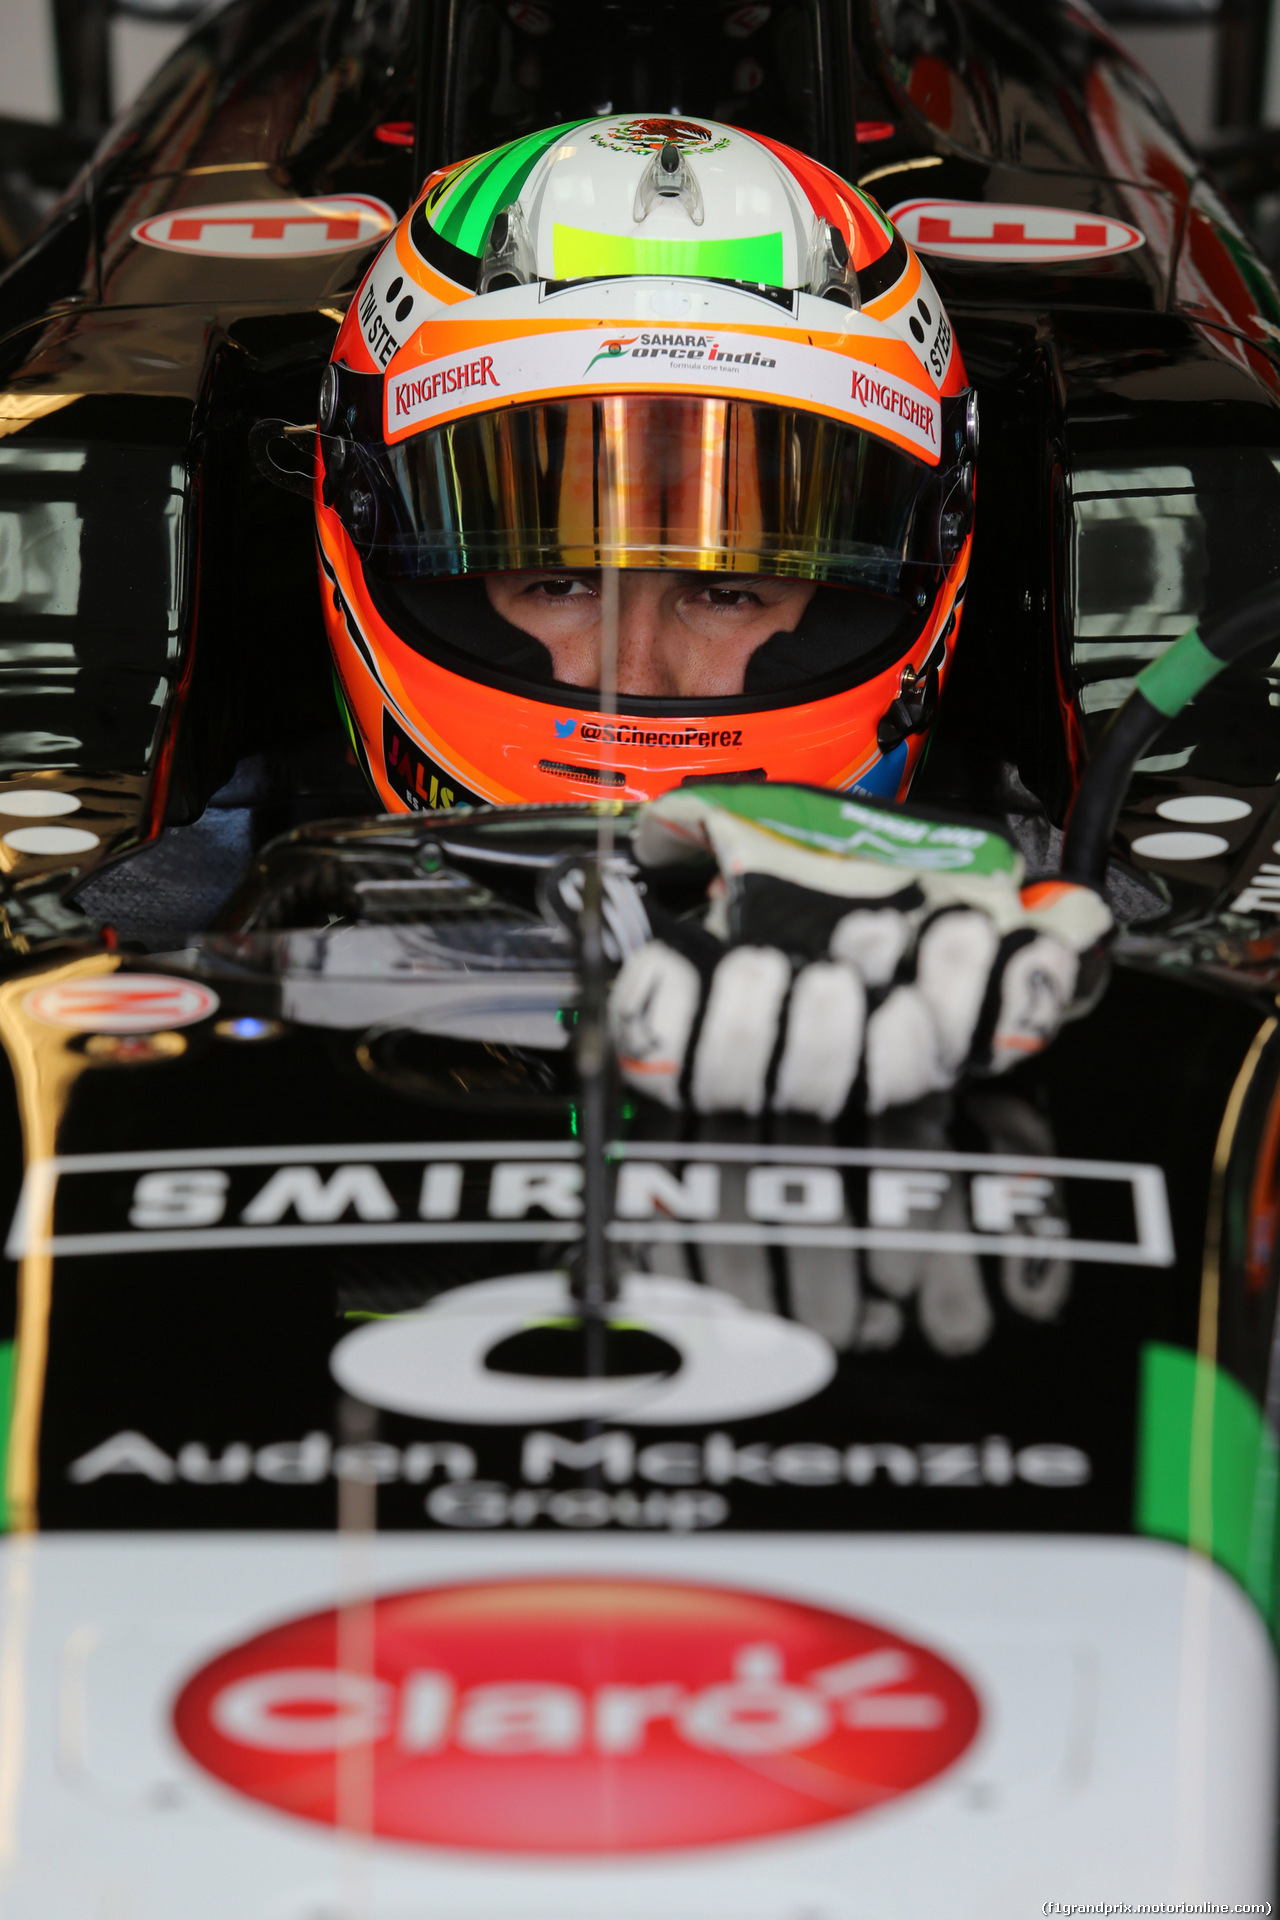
(654, 481)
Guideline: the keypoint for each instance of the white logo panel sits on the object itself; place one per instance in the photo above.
(983, 230)
(278, 229)
(390, 305)
(740, 365)
(207, 1199)
(734, 1363)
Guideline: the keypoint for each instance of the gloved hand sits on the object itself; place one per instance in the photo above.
(842, 938)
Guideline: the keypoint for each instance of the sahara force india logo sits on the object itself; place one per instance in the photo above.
(679, 346)
(581, 1716)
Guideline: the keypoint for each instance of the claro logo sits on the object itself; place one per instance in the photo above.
(582, 1716)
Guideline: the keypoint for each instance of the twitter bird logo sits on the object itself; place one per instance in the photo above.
(565, 727)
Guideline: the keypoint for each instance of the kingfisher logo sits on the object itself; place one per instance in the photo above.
(417, 391)
(886, 397)
(564, 728)
(413, 397)
(581, 1716)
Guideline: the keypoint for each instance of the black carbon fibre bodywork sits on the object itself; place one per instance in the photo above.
(385, 996)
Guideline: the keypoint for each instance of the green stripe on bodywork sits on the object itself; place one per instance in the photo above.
(6, 1415)
(1207, 1468)
(581, 254)
(491, 185)
(1178, 675)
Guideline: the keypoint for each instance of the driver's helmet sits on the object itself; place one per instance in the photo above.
(675, 349)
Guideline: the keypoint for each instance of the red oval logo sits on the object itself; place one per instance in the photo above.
(121, 1003)
(581, 1716)
(284, 229)
(981, 230)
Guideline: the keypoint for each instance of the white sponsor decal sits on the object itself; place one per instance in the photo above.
(204, 1199)
(690, 1471)
(733, 1363)
(982, 230)
(390, 305)
(257, 229)
(121, 1003)
(744, 21)
(1077, 1647)
(712, 360)
(1262, 895)
(922, 322)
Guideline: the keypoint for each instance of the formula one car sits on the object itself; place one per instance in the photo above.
(894, 1527)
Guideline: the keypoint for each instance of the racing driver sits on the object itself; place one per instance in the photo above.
(647, 472)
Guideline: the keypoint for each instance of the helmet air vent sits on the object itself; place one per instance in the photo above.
(831, 269)
(668, 176)
(509, 259)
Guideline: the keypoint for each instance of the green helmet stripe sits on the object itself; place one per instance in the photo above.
(470, 214)
(344, 710)
(449, 220)
(503, 186)
(581, 254)
(878, 213)
(357, 744)
(441, 195)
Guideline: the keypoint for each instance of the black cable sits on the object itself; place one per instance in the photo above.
(1161, 691)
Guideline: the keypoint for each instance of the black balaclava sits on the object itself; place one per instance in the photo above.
(841, 630)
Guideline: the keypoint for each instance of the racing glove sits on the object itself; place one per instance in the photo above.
(844, 942)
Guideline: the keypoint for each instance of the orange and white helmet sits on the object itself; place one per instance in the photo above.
(642, 344)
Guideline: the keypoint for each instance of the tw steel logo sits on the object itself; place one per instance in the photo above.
(582, 1716)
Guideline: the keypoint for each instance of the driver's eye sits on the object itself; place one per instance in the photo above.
(561, 589)
(730, 597)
